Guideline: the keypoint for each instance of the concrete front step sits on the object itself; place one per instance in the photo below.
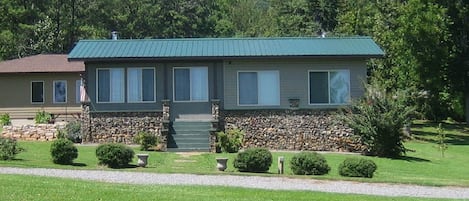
(189, 136)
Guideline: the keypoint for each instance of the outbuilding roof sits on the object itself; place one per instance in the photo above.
(41, 63)
(224, 48)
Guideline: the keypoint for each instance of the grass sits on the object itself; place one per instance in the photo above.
(423, 165)
(19, 187)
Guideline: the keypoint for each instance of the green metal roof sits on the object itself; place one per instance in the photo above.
(223, 48)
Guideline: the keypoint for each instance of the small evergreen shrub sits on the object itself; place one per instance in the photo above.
(114, 155)
(253, 160)
(146, 140)
(357, 167)
(9, 148)
(5, 119)
(63, 151)
(73, 131)
(231, 140)
(309, 163)
(42, 117)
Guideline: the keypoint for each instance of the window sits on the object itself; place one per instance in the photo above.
(77, 91)
(191, 84)
(329, 87)
(37, 92)
(141, 84)
(60, 91)
(110, 85)
(259, 88)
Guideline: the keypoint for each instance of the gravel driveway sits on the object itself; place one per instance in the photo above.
(275, 183)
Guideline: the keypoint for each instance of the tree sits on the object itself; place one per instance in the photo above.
(408, 31)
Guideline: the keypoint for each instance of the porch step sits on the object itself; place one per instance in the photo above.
(189, 135)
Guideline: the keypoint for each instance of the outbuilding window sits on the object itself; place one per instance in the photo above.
(37, 92)
(60, 91)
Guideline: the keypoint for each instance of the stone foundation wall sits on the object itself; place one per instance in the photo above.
(312, 130)
(121, 127)
(36, 132)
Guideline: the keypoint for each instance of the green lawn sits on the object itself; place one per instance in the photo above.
(18, 187)
(423, 165)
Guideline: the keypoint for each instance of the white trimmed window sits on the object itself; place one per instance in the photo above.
(110, 85)
(329, 87)
(140, 85)
(190, 84)
(37, 92)
(259, 88)
(60, 91)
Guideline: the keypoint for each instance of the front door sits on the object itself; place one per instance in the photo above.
(190, 93)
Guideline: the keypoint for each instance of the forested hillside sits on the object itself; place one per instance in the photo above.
(426, 41)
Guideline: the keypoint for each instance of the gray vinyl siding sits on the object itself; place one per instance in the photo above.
(294, 79)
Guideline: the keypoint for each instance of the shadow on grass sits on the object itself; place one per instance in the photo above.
(461, 138)
(412, 159)
(17, 159)
(128, 166)
(79, 164)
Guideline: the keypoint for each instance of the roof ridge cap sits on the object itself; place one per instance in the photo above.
(234, 38)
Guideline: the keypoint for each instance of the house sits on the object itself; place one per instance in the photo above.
(44, 82)
(280, 91)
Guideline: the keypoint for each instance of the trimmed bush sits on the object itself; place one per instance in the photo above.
(9, 148)
(231, 140)
(253, 160)
(63, 151)
(357, 167)
(146, 140)
(309, 163)
(114, 155)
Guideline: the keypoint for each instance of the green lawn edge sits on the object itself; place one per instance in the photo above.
(21, 187)
(423, 164)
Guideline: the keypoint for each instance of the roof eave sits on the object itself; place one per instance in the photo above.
(222, 57)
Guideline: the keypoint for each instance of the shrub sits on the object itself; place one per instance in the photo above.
(231, 140)
(9, 148)
(63, 151)
(253, 160)
(114, 155)
(73, 131)
(42, 117)
(146, 140)
(357, 167)
(61, 134)
(309, 163)
(378, 119)
(5, 119)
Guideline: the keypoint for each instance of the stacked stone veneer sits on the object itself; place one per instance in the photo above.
(313, 130)
(121, 127)
(36, 132)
